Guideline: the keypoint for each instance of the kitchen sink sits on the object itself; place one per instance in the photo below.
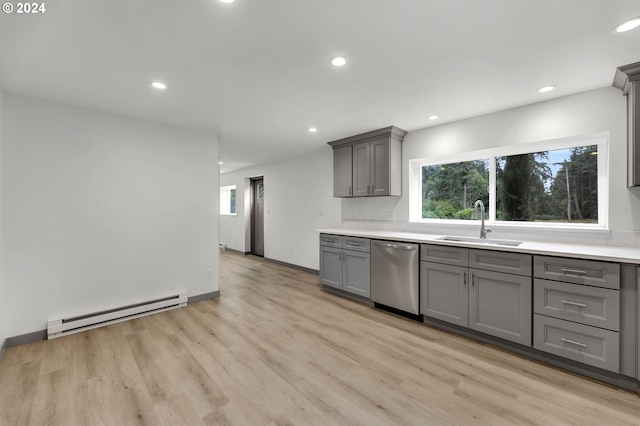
(481, 241)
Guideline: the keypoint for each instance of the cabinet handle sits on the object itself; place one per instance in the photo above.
(573, 271)
(579, 305)
(573, 342)
(465, 278)
(472, 279)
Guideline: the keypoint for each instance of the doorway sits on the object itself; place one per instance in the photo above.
(257, 216)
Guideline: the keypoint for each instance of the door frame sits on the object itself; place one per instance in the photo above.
(252, 184)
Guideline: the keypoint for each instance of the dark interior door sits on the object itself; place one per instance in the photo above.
(257, 217)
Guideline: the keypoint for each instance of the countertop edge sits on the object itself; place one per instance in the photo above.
(570, 250)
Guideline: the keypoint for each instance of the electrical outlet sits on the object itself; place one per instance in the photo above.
(209, 273)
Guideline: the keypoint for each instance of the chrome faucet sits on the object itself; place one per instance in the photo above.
(483, 230)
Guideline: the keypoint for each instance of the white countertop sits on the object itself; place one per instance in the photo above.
(579, 251)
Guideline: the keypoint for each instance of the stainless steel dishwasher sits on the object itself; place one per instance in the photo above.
(394, 276)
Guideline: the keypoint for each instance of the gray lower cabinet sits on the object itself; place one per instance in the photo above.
(500, 305)
(589, 345)
(495, 303)
(356, 273)
(443, 293)
(577, 310)
(331, 266)
(345, 264)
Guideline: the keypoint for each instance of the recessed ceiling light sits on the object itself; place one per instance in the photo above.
(159, 85)
(312, 130)
(628, 25)
(219, 162)
(338, 61)
(227, 1)
(433, 117)
(546, 89)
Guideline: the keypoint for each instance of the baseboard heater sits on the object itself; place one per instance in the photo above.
(65, 326)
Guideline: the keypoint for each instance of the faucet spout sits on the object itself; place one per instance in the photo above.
(483, 230)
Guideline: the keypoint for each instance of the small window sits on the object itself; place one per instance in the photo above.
(228, 200)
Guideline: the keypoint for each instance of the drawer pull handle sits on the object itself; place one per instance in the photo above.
(573, 271)
(573, 342)
(579, 305)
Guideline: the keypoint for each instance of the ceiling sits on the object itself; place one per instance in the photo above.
(257, 72)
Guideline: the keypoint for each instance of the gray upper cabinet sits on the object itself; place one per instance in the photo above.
(369, 164)
(361, 154)
(342, 164)
(627, 79)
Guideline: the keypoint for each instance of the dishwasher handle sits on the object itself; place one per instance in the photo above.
(396, 246)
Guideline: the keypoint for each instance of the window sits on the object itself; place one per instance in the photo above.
(559, 183)
(228, 200)
(449, 190)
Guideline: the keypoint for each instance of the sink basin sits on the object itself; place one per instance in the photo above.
(482, 241)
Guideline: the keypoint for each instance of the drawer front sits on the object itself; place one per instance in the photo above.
(599, 307)
(589, 345)
(500, 261)
(330, 240)
(444, 254)
(589, 272)
(357, 244)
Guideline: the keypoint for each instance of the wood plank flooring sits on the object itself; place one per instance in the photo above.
(276, 350)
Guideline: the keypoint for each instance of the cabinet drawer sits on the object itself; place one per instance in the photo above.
(357, 244)
(589, 272)
(500, 261)
(599, 307)
(444, 254)
(589, 345)
(330, 240)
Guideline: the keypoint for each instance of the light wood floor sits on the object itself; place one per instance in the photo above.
(276, 350)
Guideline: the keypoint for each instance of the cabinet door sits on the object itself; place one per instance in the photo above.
(500, 305)
(361, 185)
(342, 171)
(356, 273)
(379, 167)
(331, 266)
(443, 292)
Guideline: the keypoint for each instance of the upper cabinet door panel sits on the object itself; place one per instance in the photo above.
(361, 186)
(342, 171)
(379, 172)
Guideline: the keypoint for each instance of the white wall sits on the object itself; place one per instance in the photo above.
(102, 210)
(298, 188)
(602, 110)
(3, 302)
(298, 200)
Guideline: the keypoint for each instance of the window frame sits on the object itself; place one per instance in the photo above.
(600, 139)
(225, 200)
